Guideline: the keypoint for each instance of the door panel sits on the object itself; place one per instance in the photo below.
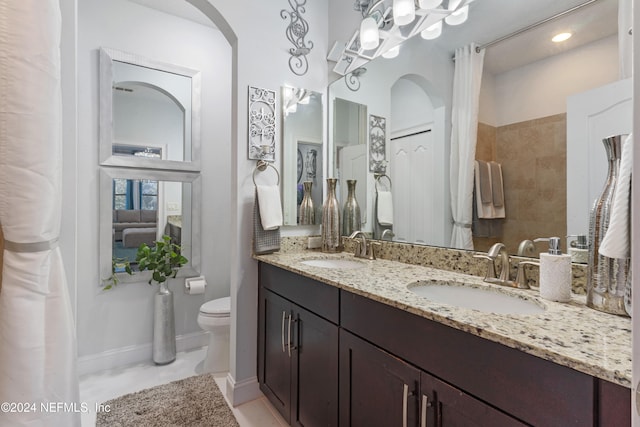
(315, 371)
(372, 386)
(276, 373)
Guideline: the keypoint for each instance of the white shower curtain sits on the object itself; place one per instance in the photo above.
(464, 131)
(37, 336)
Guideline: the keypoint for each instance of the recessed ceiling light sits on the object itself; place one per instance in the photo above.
(560, 37)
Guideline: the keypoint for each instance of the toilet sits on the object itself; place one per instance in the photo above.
(214, 317)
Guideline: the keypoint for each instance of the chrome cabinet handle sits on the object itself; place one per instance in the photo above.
(423, 413)
(282, 334)
(289, 336)
(405, 403)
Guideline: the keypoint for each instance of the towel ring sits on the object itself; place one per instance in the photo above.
(380, 176)
(261, 166)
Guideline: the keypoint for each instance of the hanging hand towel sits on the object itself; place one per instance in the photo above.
(616, 239)
(264, 241)
(270, 206)
(385, 208)
(497, 190)
(484, 196)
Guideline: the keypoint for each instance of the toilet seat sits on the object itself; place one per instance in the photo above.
(220, 307)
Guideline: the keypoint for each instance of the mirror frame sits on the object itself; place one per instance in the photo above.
(107, 57)
(106, 219)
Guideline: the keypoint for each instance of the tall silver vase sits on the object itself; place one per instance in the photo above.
(331, 219)
(164, 327)
(307, 213)
(351, 219)
(606, 277)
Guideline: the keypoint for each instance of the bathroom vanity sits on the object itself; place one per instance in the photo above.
(354, 347)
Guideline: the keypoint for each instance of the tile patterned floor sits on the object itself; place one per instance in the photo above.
(97, 388)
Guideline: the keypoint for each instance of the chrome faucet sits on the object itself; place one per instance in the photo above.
(499, 252)
(387, 233)
(364, 249)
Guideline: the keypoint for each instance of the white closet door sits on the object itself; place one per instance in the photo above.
(591, 117)
(413, 171)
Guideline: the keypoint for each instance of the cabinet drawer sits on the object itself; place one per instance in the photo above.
(317, 297)
(532, 389)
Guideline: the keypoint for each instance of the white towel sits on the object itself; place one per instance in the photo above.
(385, 208)
(270, 206)
(616, 239)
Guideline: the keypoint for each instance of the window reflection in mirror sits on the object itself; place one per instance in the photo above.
(302, 136)
(151, 104)
(140, 207)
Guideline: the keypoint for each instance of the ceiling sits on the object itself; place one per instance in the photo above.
(490, 20)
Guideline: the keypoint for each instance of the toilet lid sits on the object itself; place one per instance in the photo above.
(218, 307)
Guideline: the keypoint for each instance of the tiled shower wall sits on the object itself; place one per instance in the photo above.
(533, 156)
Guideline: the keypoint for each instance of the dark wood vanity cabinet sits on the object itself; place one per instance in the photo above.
(379, 389)
(298, 349)
(395, 366)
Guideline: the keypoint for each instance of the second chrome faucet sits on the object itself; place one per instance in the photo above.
(364, 248)
(497, 255)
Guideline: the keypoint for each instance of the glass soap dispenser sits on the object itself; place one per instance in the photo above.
(555, 272)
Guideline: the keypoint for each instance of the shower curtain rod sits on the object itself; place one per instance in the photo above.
(532, 26)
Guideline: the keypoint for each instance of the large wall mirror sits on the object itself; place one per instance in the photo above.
(302, 154)
(150, 110)
(140, 206)
(413, 93)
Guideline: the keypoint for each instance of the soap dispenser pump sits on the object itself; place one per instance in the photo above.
(579, 248)
(555, 272)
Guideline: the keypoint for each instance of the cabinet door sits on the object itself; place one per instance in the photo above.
(450, 407)
(274, 363)
(376, 388)
(314, 371)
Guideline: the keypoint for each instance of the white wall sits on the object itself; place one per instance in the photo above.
(262, 61)
(540, 89)
(120, 320)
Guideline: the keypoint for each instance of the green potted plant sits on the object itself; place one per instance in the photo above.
(118, 265)
(163, 260)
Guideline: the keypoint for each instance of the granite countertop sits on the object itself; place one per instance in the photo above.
(569, 334)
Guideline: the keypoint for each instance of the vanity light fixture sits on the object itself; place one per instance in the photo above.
(392, 53)
(432, 32)
(459, 16)
(404, 11)
(561, 37)
(369, 34)
(429, 4)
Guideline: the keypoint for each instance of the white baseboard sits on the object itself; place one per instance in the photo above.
(243, 391)
(133, 354)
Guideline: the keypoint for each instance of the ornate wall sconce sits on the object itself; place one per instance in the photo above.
(262, 124)
(296, 32)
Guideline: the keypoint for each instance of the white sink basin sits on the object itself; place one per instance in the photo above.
(335, 263)
(479, 298)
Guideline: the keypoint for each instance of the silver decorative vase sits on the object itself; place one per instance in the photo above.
(331, 219)
(164, 328)
(351, 219)
(307, 213)
(606, 277)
